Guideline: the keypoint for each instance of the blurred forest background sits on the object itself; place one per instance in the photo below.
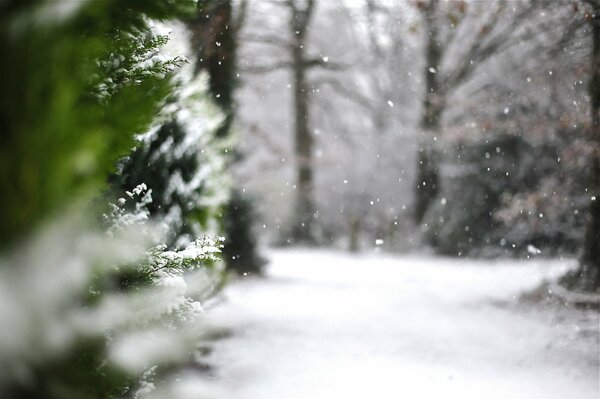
(467, 127)
(134, 134)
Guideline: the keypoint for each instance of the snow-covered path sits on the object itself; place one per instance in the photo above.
(331, 325)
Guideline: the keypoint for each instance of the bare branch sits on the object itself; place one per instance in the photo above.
(267, 39)
(276, 66)
(321, 63)
(240, 18)
(343, 90)
(273, 146)
(310, 6)
(371, 8)
(300, 17)
(485, 46)
(291, 4)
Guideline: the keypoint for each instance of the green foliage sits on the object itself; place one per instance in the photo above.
(150, 164)
(182, 163)
(78, 300)
(203, 252)
(58, 140)
(133, 63)
(79, 81)
(69, 376)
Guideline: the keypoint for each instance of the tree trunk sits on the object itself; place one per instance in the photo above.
(427, 183)
(354, 241)
(302, 229)
(590, 259)
(215, 35)
(214, 39)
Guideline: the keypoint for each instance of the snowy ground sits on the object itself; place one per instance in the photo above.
(333, 325)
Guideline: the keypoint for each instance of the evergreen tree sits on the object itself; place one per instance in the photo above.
(215, 34)
(180, 160)
(148, 164)
(79, 81)
(74, 93)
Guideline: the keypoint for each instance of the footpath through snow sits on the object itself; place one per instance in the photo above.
(332, 325)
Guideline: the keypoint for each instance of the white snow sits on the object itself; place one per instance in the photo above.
(334, 325)
(532, 250)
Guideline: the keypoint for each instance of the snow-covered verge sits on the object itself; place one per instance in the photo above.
(333, 325)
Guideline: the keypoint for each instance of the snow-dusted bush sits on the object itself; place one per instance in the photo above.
(90, 306)
(182, 161)
(111, 301)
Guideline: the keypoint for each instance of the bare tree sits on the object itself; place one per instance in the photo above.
(297, 60)
(457, 43)
(302, 228)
